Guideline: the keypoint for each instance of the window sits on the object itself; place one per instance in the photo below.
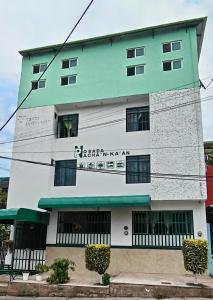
(38, 84)
(67, 126)
(39, 68)
(171, 46)
(80, 228)
(162, 228)
(172, 65)
(69, 63)
(137, 119)
(65, 80)
(65, 172)
(135, 52)
(138, 169)
(135, 70)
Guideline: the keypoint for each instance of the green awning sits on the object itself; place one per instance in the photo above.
(96, 201)
(8, 216)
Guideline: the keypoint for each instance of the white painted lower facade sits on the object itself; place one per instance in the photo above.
(121, 217)
(174, 143)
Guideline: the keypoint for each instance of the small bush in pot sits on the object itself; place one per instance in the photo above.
(97, 257)
(60, 269)
(195, 255)
(40, 269)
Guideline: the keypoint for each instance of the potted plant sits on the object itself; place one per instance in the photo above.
(41, 269)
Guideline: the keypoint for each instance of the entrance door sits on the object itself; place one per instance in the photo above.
(29, 245)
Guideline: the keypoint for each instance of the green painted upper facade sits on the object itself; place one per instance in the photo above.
(102, 65)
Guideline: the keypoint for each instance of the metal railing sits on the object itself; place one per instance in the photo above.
(159, 240)
(82, 238)
(27, 259)
(82, 228)
(161, 229)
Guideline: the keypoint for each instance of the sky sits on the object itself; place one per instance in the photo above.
(28, 24)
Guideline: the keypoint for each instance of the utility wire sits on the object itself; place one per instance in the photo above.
(117, 172)
(180, 96)
(115, 121)
(56, 54)
(115, 149)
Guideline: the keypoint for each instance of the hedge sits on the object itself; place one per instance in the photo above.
(97, 257)
(195, 255)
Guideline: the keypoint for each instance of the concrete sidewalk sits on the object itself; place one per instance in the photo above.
(162, 279)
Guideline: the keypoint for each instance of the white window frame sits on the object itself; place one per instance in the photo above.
(172, 42)
(73, 75)
(142, 47)
(69, 59)
(40, 67)
(172, 64)
(39, 84)
(135, 66)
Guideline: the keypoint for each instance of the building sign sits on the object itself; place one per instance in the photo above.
(115, 158)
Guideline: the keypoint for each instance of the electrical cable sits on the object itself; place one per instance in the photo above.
(115, 121)
(115, 172)
(49, 64)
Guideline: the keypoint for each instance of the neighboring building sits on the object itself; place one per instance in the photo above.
(110, 115)
(208, 149)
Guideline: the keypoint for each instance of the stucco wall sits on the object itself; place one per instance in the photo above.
(124, 260)
(177, 145)
(121, 217)
(38, 181)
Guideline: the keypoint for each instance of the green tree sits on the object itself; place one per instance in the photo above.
(3, 199)
(4, 229)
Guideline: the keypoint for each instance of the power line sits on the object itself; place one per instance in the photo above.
(115, 149)
(118, 172)
(115, 121)
(56, 54)
(180, 96)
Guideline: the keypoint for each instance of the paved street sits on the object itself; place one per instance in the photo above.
(64, 298)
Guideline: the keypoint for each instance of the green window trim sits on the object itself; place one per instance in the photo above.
(161, 228)
(137, 119)
(83, 227)
(65, 172)
(67, 126)
(138, 169)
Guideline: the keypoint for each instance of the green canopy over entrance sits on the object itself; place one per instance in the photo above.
(96, 201)
(8, 216)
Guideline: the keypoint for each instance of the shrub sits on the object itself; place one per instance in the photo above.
(60, 269)
(97, 257)
(41, 268)
(106, 279)
(195, 255)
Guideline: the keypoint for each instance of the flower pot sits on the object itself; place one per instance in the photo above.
(25, 276)
(39, 277)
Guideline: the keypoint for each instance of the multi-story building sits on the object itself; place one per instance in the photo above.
(116, 123)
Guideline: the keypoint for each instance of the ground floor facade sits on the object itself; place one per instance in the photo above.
(144, 238)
